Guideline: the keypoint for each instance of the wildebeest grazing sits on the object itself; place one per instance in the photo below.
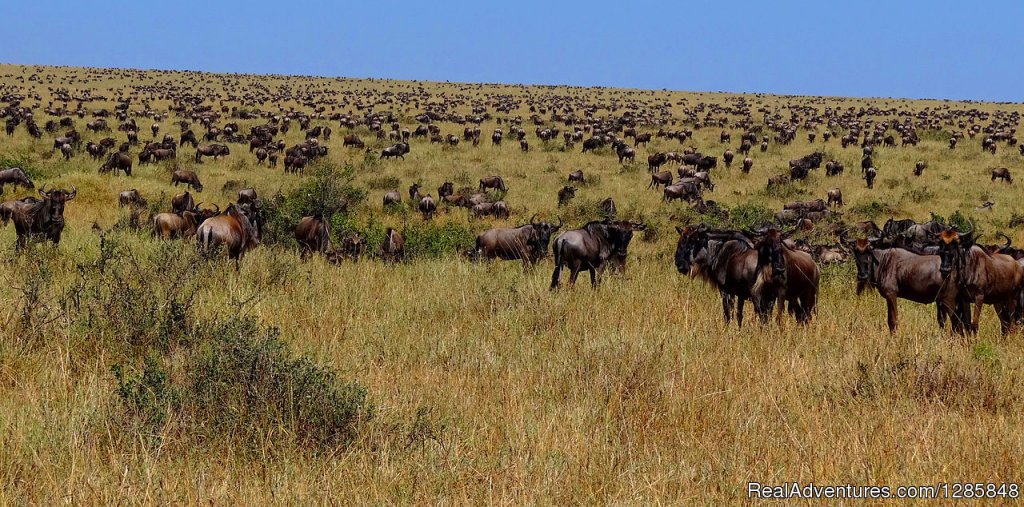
(312, 236)
(176, 225)
(16, 177)
(189, 178)
(566, 194)
(130, 198)
(492, 182)
(118, 161)
(393, 247)
(1002, 173)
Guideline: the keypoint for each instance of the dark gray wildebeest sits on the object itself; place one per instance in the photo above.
(1002, 173)
(189, 178)
(42, 218)
(590, 248)
(869, 176)
(130, 198)
(235, 229)
(576, 176)
(447, 188)
(835, 197)
(492, 182)
(427, 207)
(392, 197)
(16, 177)
(497, 209)
(246, 195)
(393, 248)
(528, 243)
(213, 150)
(660, 178)
(725, 259)
(117, 161)
(395, 151)
(566, 194)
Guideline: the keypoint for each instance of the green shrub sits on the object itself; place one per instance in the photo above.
(147, 396)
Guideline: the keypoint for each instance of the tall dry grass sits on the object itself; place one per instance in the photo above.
(482, 386)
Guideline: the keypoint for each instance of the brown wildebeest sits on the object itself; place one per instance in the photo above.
(352, 247)
(16, 177)
(727, 157)
(748, 163)
(897, 273)
(353, 140)
(576, 176)
(247, 195)
(9, 208)
(183, 202)
(174, 225)
(235, 229)
(687, 191)
(725, 259)
(496, 209)
(1002, 173)
(130, 198)
(118, 161)
(566, 194)
(189, 178)
(393, 248)
(396, 151)
(833, 168)
(835, 197)
(524, 145)
(312, 235)
(607, 207)
(67, 151)
(428, 207)
(642, 139)
(527, 242)
(43, 218)
(919, 167)
(785, 275)
(392, 197)
(655, 161)
(981, 277)
(660, 178)
(495, 182)
(591, 247)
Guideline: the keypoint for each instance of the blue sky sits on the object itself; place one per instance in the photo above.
(938, 49)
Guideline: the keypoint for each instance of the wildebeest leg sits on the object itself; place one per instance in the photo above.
(726, 306)
(890, 301)
(979, 305)
(1005, 315)
(574, 272)
(739, 312)
(556, 275)
(593, 276)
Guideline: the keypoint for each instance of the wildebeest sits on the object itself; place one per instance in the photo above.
(834, 168)
(576, 176)
(778, 180)
(748, 163)
(176, 225)
(897, 273)
(725, 259)
(655, 161)
(16, 177)
(625, 153)
(496, 209)
(43, 218)
(118, 161)
(130, 198)
(183, 202)
(234, 229)
(392, 197)
(312, 236)
(835, 197)
(527, 242)
(660, 178)
(687, 191)
(414, 192)
(727, 157)
(919, 167)
(393, 247)
(246, 195)
(189, 178)
(566, 194)
(495, 182)
(353, 140)
(591, 247)
(213, 150)
(981, 277)
(1002, 173)
(869, 176)
(784, 275)
(428, 207)
(398, 150)
(446, 189)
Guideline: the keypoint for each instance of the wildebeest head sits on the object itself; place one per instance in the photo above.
(953, 248)
(53, 203)
(865, 260)
(692, 246)
(770, 250)
(542, 232)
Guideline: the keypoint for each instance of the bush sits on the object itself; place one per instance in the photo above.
(147, 396)
(328, 192)
(246, 382)
(749, 215)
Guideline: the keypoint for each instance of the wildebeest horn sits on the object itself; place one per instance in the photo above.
(74, 192)
(1008, 241)
(559, 223)
(42, 190)
(531, 219)
(215, 205)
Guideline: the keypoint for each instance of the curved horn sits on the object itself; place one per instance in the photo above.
(559, 223)
(74, 192)
(531, 219)
(218, 207)
(1008, 242)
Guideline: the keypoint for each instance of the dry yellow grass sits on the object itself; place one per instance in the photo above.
(635, 393)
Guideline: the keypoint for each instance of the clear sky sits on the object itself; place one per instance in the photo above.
(915, 49)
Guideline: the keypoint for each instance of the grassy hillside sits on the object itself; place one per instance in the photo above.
(136, 369)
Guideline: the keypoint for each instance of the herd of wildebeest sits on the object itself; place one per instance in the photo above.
(922, 262)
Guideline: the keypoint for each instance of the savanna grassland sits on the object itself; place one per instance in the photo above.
(134, 370)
